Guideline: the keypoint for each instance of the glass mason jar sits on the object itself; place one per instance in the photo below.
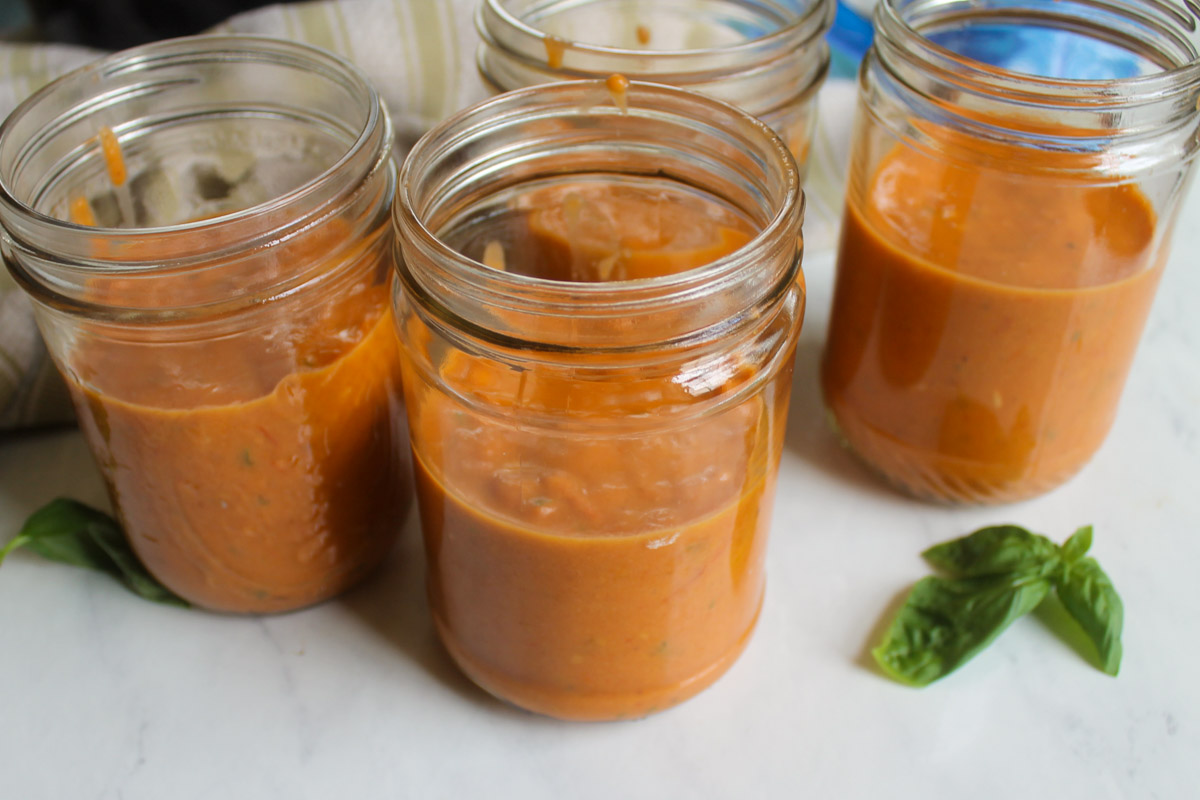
(598, 312)
(203, 226)
(768, 58)
(1016, 172)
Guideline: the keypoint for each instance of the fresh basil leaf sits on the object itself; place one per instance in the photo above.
(997, 550)
(1077, 546)
(1088, 595)
(20, 540)
(53, 532)
(944, 623)
(109, 537)
(1000, 573)
(72, 533)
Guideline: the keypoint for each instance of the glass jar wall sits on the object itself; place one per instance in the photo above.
(598, 307)
(1015, 176)
(203, 225)
(768, 58)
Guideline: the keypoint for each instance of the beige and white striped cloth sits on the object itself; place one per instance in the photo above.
(420, 54)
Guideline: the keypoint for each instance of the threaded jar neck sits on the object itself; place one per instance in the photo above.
(1042, 70)
(756, 54)
(571, 131)
(234, 145)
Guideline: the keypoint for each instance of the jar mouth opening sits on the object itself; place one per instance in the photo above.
(366, 146)
(643, 99)
(1162, 34)
(480, 175)
(606, 295)
(799, 24)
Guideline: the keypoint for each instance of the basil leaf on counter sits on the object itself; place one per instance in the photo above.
(998, 550)
(946, 622)
(1077, 546)
(997, 574)
(52, 532)
(1089, 597)
(69, 532)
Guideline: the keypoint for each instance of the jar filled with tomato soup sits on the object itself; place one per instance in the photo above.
(203, 226)
(599, 299)
(767, 57)
(1016, 171)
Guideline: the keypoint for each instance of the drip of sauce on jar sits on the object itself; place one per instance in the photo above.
(114, 160)
(555, 48)
(493, 255)
(618, 90)
(81, 212)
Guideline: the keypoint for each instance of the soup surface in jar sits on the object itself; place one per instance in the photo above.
(984, 320)
(261, 471)
(595, 549)
(595, 231)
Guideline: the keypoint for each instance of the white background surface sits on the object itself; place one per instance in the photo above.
(103, 695)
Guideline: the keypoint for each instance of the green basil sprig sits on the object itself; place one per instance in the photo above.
(72, 533)
(996, 575)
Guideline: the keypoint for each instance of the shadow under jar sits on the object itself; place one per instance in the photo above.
(598, 312)
(212, 280)
(1016, 171)
(768, 57)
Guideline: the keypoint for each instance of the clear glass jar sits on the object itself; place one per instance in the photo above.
(1016, 172)
(768, 58)
(220, 307)
(596, 441)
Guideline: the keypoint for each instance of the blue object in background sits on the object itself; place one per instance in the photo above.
(1044, 51)
(848, 38)
(1047, 50)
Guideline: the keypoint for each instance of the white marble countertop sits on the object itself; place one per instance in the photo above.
(106, 696)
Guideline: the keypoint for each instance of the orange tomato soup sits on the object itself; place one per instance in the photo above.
(984, 321)
(594, 552)
(258, 471)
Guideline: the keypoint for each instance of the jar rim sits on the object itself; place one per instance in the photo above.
(804, 28)
(404, 210)
(900, 35)
(21, 218)
(472, 281)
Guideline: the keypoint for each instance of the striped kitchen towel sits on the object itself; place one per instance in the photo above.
(420, 56)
